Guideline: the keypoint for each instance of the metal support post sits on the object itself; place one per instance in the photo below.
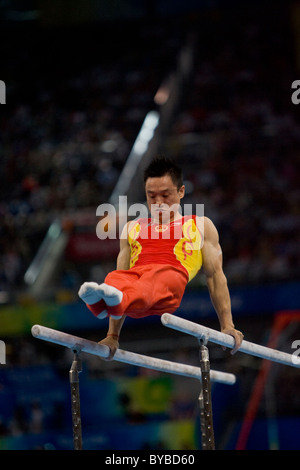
(206, 415)
(75, 400)
(202, 420)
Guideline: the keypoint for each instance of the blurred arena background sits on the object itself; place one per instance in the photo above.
(212, 81)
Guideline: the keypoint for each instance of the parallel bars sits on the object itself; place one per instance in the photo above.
(202, 333)
(83, 345)
(204, 374)
(208, 334)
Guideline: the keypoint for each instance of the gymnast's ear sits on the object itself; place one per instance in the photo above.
(181, 191)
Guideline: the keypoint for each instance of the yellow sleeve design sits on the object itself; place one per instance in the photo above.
(135, 246)
(188, 248)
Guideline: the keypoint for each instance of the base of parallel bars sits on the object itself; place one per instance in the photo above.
(205, 402)
(76, 368)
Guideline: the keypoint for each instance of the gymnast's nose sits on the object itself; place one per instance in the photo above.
(159, 201)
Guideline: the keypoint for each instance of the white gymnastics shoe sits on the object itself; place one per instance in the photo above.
(111, 295)
(90, 293)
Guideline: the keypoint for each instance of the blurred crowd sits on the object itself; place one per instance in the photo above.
(67, 130)
(238, 139)
(65, 140)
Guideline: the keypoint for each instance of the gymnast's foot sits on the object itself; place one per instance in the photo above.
(111, 295)
(90, 293)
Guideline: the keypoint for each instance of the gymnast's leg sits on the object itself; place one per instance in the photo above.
(98, 297)
(136, 291)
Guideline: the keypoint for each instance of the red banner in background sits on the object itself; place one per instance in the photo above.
(88, 247)
(83, 244)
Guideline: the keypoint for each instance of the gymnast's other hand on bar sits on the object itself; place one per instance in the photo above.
(237, 335)
(113, 343)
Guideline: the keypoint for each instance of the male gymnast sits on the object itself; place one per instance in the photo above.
(158, 257)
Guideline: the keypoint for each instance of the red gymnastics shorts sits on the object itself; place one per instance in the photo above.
(151, 289)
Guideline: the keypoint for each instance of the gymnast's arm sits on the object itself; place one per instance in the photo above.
(115, 326)
(217, 282)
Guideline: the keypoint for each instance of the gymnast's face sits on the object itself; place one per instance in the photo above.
(163, 198)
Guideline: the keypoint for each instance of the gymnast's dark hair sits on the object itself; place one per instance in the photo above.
(161, 166)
